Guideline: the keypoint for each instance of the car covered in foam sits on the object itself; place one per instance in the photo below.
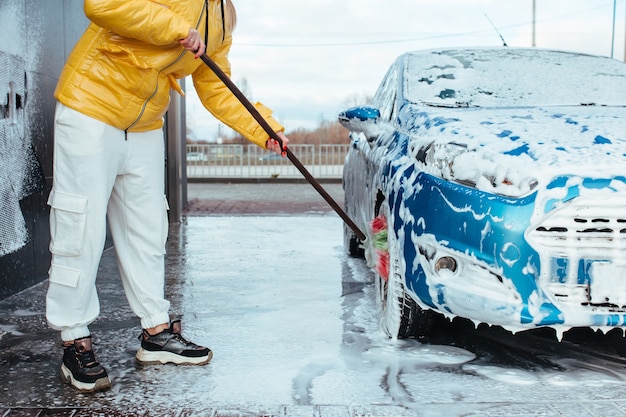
(491, 183)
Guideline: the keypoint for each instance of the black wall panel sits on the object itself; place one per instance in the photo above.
(36, 38)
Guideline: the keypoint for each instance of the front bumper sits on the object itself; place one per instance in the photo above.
(521, 262)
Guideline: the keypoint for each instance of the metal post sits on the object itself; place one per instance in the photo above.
(534, 21)
(613, 31)
(175, 138)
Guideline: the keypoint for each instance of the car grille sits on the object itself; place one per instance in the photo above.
(575, 237)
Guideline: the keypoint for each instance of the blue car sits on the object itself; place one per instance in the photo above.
(491, 185)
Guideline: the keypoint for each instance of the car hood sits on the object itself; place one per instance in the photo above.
(522, 141)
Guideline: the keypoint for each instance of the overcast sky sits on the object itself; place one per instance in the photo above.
(307, 60)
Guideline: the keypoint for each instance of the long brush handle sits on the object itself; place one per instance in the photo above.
(272, 134)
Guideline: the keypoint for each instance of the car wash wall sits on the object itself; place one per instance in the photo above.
(36, 39)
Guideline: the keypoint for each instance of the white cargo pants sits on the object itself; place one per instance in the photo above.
(100, 173)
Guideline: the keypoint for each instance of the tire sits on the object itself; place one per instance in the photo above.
(353, 245)
(400, 316)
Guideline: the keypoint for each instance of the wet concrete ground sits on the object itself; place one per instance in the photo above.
(292, 323)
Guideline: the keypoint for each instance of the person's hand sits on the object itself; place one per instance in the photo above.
(194, 43)
(274, 146)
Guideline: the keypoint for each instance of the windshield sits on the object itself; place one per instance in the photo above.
(509, 77)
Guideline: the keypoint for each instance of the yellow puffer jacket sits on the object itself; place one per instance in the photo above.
(123, 67)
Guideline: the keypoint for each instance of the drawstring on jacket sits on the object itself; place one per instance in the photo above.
(223, 21)
(206, 22)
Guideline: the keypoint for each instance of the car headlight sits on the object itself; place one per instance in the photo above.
(490, 172)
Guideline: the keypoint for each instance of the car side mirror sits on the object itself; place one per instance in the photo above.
(362, 119)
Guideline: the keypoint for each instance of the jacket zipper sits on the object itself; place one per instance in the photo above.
(156, 88)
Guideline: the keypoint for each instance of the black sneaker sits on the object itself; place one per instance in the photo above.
(170, 346)
(81, 369)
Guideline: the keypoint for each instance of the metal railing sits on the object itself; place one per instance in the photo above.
(250, 161)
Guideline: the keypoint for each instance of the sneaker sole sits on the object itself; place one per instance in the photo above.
(98, 385)
(146, 357)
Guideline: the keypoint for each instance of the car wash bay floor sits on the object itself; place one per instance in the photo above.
(293, 325)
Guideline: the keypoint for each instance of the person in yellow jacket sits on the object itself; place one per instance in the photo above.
(108, 163)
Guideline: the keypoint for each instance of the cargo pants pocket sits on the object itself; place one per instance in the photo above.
(64, 276)
(67, 223)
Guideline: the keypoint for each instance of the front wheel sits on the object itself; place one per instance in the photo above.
(400, 316)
